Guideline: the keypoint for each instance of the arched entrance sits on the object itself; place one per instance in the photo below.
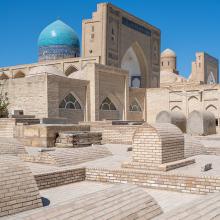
(134, 61)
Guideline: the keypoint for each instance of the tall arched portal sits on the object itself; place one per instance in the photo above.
(134, 62)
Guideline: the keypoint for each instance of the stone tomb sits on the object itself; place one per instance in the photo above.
(201, 123)
(18, 189)
(175, 118)
(158, 147)
(78, 139)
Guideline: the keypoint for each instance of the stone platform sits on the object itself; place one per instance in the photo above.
(188, 179)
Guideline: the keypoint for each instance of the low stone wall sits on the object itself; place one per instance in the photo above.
(44, 135)
(157, 180)
(58, 178)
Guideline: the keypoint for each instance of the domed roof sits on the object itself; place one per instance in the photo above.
(168, 53)
(58, 33)
(45, 69)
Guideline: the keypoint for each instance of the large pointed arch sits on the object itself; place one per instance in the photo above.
(135, 62)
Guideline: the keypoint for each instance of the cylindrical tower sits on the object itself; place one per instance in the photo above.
(168, 61)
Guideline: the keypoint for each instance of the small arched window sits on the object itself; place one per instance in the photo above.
(107, 105)
(135, 107)
(70, 102)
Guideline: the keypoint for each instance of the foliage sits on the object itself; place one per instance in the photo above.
(3, 102)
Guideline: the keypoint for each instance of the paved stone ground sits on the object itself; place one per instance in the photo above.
(166, 199)
(60, 195)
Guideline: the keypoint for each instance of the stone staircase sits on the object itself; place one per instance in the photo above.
(118, 202)
(207, 208)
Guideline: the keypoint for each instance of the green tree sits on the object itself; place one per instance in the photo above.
(3, 102)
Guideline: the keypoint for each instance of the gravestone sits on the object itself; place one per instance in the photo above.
(201, 123)
(175, 118)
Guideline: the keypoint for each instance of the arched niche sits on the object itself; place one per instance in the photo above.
(213, 109)
(134, 61)
(176, 108)
(19, 74)
(70, 69)
(193, 103)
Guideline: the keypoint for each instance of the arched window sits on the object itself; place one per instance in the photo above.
(70, 102)
(135, 107)
(107, 105)
(70, 69)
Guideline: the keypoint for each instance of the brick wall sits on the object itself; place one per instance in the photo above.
(156, 144)
(115, 134)
(58, 178)
(157, 180)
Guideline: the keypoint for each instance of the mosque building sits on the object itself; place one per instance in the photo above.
(118, 75)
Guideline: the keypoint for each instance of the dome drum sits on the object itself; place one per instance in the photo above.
(55, 52)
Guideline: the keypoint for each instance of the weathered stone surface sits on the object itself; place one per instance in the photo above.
(201, 123)
(176, 118)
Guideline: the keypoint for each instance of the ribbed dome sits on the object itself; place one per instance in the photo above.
(168, 53)
(58, 33)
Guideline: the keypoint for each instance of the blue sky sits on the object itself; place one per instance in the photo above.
(187, 26)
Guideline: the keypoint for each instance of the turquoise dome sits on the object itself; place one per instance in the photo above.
(58, 33)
